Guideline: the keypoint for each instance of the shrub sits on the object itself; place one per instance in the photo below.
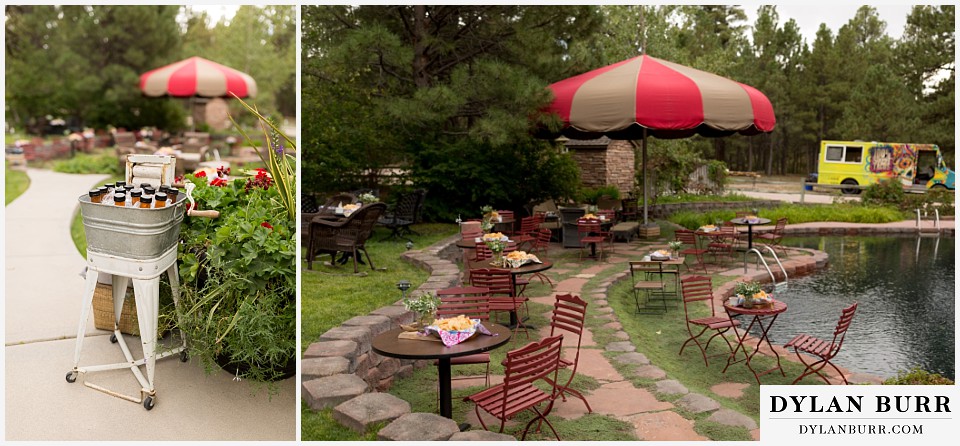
(105, 163)
(851, 213)
(239, 280)
(884, 193)
(592, 195)
(918, 376)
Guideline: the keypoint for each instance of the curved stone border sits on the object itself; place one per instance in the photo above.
(340, 371)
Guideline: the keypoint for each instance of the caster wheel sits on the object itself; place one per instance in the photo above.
(148, 403)
(71, 376)
(113, 339)
(184, 357)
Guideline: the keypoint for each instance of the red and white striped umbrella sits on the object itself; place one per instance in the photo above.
(649, 96)
(669, 100)
(197, 76)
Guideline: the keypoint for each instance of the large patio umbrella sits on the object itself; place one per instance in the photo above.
(197, 77)
(648, 96)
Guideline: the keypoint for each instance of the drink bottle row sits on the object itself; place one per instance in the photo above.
(127, 195)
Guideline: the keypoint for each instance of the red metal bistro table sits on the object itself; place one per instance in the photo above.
(758, 316)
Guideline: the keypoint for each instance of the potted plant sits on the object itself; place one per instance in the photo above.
(238, 305)
(424, 305)
(750, 294)
(675, 246)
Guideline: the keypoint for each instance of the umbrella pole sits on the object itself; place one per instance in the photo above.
(644, 158)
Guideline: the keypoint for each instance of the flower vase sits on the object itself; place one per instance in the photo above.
(498, 258)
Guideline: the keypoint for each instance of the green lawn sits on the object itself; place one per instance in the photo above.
(358, 295)
(16, 181)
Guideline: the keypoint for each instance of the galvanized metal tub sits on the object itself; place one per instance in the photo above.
(130, 232)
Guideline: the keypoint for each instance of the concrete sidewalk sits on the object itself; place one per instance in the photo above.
(42, 292)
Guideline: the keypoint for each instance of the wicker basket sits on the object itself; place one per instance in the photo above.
(103, 317)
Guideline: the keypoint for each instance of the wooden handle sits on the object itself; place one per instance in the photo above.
(205, 214)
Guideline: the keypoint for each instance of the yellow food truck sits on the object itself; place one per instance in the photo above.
(916, 166)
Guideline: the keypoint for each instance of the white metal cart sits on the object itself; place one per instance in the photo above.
(139, 245)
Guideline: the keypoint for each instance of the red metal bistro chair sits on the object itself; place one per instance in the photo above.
(569, 312)
(503, 293)
(523, 366)
(689, 238)
(474, 303)
(823, 349)
(700, 289)
(774, 238)
(590, 232)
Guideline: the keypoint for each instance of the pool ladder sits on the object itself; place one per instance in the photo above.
(778, 287)
(928, 230)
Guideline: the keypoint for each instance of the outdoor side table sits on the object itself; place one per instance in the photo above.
(388, 344)
(749, 224)
(758, 315)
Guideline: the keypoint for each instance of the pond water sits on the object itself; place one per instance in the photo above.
(906, 290)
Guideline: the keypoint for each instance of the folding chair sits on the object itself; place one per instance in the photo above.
(641, 272)
(774, 238)
(503, 293)
(688, 237)
(823, 349)
(523, 366)
(589, 232)
(569, 312)
(474, 303)
(700, 289)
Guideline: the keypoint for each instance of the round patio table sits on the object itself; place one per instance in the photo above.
(757, 317)
(529, 268)
(749, 224)
(388, 344)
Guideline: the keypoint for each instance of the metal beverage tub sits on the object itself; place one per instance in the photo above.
(129, 232)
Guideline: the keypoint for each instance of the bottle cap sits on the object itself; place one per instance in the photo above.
(149, 190)
(102, 189)
(160, 196)
(136, 192)
(121, 183)
(94, 192)
(145, 185)
(146, 199)
(119, 198)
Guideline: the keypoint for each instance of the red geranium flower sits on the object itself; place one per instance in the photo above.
(200, 174)
(267, 225)
(218, 182)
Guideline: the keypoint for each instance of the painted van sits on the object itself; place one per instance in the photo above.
(916, 166)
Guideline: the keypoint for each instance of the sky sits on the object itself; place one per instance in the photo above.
(810, 15)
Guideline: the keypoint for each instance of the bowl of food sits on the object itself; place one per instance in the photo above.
(660, 254)
(516, 259)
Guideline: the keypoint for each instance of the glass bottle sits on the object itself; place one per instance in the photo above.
(160, 200)
(95, 196)
(119, 199)
(146, 202)
(172, 193)
(135, 196)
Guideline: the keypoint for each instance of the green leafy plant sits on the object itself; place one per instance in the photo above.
(747, 289)
(238, 308)
(424, 305)
(279, 162)
(83, 163)
(918, 376)
(592, 195)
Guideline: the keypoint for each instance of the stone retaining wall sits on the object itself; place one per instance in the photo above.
(339, 370)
